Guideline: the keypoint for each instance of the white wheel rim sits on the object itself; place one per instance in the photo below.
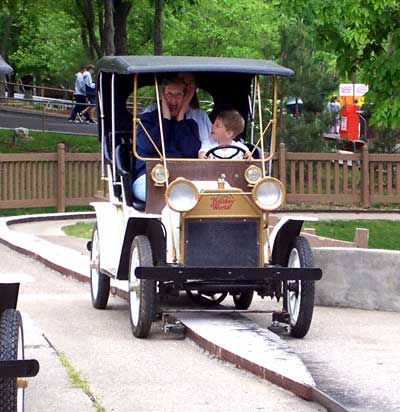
(20, 356)
(95, 265)
(293, 301)
(134, 284)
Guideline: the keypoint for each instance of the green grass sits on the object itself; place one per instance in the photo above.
(78, 381)
(40, 210)
(47, 142)
(79, 229)
(383, 234)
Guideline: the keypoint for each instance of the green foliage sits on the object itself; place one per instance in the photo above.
(46, 50)
(364, 35)
(383, 234)
(222, 28)
(47, 142)
(304, 134)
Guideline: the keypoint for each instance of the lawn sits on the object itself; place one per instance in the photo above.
(79, 229)
(383, 234)
(47, 142)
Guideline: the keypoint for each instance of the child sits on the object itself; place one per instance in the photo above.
(227, 125)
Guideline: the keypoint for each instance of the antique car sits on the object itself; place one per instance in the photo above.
(14, 369)
(204, 226)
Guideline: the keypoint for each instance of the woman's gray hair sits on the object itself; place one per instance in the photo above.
(173, 80)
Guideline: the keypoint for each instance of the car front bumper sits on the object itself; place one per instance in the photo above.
(231, 274)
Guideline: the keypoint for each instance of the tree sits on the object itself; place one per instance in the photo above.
(364, 35)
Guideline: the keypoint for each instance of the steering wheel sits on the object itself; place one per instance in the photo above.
(225, 146)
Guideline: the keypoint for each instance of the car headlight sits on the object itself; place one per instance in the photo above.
(159, 174)
(252, 174)
(182, 195)
(268, 193)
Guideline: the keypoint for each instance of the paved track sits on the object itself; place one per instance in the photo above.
(34, 121)
(352, 354)
(126, 374)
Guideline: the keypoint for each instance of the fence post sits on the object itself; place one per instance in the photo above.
(60, 177)
(282, 163)
(365, 177)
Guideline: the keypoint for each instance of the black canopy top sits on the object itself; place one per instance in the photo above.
(170, 64)
(4, 67)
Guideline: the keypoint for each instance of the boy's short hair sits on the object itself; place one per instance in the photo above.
(90, 66)
(232, 120)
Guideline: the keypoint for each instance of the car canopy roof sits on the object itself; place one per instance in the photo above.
(4, 67)
(170, 64)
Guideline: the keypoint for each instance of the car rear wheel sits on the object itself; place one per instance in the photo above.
(142, 292)
(11, 348)
(99, 282)
(242, 300)
(298, 297)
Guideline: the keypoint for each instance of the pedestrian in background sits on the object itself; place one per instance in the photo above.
(334, 108)
(79, 97)
(90, 90)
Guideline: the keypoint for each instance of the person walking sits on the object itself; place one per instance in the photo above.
(79, 97)
(90, 90)
(334, 107)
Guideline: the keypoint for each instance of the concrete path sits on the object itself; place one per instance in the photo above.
(126, 374)
(340, 347)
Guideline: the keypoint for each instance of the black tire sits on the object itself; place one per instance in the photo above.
(142, 292)
(99, 282)
(206, 299)
(298, 296)
(11, 348)
(242, 300)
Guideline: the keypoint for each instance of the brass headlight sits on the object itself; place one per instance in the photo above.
(252, 174)
(159, 174)
(182, 195)
(268, 193)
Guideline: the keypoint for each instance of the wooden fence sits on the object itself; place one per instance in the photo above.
(49, 179)
(62, 179)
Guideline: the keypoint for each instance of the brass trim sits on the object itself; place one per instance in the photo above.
(273, 180)
(173, 184)
(22, 383)
(159, 182)
(249, 210)
(246, 177)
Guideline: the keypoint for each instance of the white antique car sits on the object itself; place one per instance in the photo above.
(204, 227)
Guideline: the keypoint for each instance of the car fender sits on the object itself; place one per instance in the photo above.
(154, 230)
(282, 236)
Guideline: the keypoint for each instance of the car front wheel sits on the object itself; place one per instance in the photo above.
(298, 297)
(142, 292)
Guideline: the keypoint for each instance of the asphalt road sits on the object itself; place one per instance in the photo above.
(124, 373)
(35, 121)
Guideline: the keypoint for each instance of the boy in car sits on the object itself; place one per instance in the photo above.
(227, 125)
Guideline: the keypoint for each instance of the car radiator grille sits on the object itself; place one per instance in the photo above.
(233, 242)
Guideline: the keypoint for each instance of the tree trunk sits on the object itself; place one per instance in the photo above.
(121, 12)
(87, 11)
(158, 46)
(108, 32)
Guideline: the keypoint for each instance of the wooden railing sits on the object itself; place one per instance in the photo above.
(358, 178)
(62, 179)
(49, 179)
